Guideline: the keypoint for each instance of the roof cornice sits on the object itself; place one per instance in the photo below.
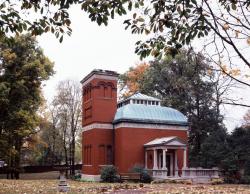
(150, 126)
(101, 73)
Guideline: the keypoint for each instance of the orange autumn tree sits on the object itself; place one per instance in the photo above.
(129, 82)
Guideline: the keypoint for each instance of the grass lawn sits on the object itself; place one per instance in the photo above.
(46, 186)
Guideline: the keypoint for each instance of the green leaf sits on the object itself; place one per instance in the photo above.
(194, 1)
(61, 39)
(234, 7)
(130, 4)
(99, 20)
(112, 13)
(134, 15)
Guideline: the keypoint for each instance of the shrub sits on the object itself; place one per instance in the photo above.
(109, 174)
(177, 181)
(245, 180)
(217, 181)
(145, 176)
(77, 176)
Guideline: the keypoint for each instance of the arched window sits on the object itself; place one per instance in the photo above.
(101, 154)
(87, 155)
(109, 154)
(110, 87)
(87, 92)
(101, 86)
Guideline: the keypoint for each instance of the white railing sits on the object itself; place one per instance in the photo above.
(160, 173)
(200, 172)
(187, 173)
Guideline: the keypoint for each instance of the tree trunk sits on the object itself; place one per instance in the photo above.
(73, 156)
(17, 158)
(53, 147)
(70, 159)
(66, 159)
(11, 168)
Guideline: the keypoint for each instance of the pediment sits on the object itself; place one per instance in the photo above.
(166, 141)
(175, 143)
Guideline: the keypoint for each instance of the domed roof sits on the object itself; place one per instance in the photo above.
(149, 114)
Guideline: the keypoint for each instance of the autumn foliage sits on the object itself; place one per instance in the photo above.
(132, 78)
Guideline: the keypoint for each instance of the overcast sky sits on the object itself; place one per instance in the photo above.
(111, 48)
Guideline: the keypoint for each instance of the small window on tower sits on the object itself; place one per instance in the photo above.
(101, 154)
(109, 154)
(87, 155)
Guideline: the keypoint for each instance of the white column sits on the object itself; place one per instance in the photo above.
(164, 159)
(176, 163)
(146, 159)
(155, 160)
(184, 158)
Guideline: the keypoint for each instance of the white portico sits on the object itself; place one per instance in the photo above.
(166, 156)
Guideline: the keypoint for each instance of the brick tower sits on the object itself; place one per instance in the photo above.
(98, 109)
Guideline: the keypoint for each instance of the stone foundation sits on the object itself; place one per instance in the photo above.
(89, 177)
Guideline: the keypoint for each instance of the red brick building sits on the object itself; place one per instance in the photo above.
(135, 131)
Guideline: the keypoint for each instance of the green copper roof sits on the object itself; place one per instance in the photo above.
(149, 114)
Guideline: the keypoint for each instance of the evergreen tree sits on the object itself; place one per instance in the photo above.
(236, 161)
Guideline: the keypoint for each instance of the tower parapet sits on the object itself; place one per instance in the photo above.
(99, 96)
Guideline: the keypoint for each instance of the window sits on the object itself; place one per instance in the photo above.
(84, 155)
(87, 112)
(156, 103)
(101, 154)
(138, 102)
(87, 155)
(153, 102)
(149, 102)
(101, 91)
(133, 101)
(105, 91)
(89, 92)
(109, 154)
(85, 94)
(109, 95)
